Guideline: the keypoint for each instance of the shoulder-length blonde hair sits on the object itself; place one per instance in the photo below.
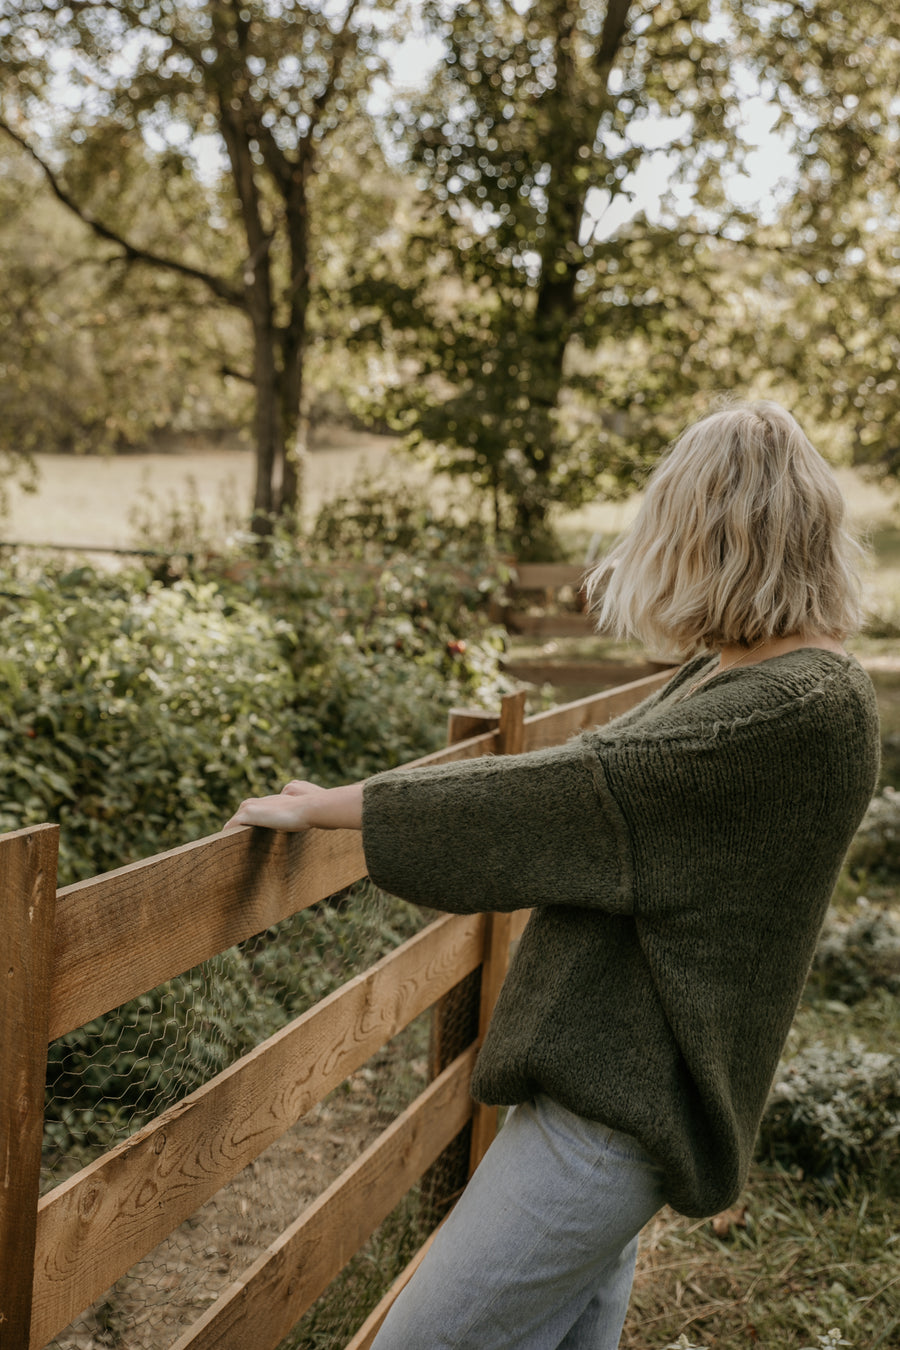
(740, 537)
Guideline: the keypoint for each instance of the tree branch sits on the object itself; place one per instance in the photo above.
(339, 49)
(218, 285)
(236, 374)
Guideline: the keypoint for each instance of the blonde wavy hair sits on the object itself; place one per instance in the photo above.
(741, 537)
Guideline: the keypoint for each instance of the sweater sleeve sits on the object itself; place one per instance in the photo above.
(499, 833)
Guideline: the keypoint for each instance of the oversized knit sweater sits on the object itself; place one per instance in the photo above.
(680, 862)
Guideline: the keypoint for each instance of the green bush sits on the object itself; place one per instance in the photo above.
(137, 715)
(833, 1112)
(857, 956)
(876, 847)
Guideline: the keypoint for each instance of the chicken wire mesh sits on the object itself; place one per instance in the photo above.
(107, 1079)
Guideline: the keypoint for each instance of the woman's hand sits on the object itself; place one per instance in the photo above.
(304, 806)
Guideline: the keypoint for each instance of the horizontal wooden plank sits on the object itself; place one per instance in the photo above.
(602, 675)
(260, 1308)
(548, 576)
(95, 1226)
(549, 625)
(557, 725)
(372, 1325)
(124, 932)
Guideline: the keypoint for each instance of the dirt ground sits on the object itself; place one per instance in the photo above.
(161, 1296)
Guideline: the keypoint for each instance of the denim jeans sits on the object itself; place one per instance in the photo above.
(539, 1252)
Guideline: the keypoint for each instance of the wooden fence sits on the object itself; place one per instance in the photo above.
(74, 954)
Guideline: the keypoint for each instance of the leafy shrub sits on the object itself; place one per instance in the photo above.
(855, 957)
(383, 519)
(834, 1111)
(876, 846)
(384, 648)
(138, 715)
(134, 714)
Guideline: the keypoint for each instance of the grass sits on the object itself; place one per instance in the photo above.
(792, 1262)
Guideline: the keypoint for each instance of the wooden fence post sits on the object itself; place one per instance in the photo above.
(454, 1025)
(497, 937)
(28, 861)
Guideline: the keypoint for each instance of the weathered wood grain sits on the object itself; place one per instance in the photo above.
(260, 1308)
(464, 723)
(126, 931)
(511, 733)
(95, 1226)
(557, 725)
(27, 898)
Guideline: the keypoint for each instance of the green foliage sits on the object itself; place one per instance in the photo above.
(856, 957)
(99, 355)
(528, 133)
(150, 88)
(831, 281)
(136, 715)
(834, 1112)
(876, 848)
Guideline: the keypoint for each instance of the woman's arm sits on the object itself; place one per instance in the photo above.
(304, 806)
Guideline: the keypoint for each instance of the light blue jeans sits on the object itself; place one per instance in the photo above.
(539, 1252)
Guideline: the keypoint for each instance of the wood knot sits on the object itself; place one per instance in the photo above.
(89, 1203)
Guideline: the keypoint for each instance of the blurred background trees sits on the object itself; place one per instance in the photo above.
(537, 260)
(117, 101)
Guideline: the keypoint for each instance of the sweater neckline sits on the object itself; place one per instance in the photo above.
(691, 670)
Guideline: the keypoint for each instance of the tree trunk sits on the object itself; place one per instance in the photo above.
(267, 427)
(294, 336)
(575, 128)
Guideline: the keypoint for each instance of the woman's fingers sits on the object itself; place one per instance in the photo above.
(281, 812)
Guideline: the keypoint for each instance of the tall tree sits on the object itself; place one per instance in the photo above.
(523, 142)
(556, 352)
(829, 265)
(86, 85)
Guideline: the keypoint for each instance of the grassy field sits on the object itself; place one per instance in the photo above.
(117, 501)
(100, 500)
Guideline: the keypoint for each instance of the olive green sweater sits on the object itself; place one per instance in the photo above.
(680, 862)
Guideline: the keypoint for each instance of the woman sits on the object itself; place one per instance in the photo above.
(679, 862)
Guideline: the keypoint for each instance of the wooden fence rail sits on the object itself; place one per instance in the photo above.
(75, 954)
